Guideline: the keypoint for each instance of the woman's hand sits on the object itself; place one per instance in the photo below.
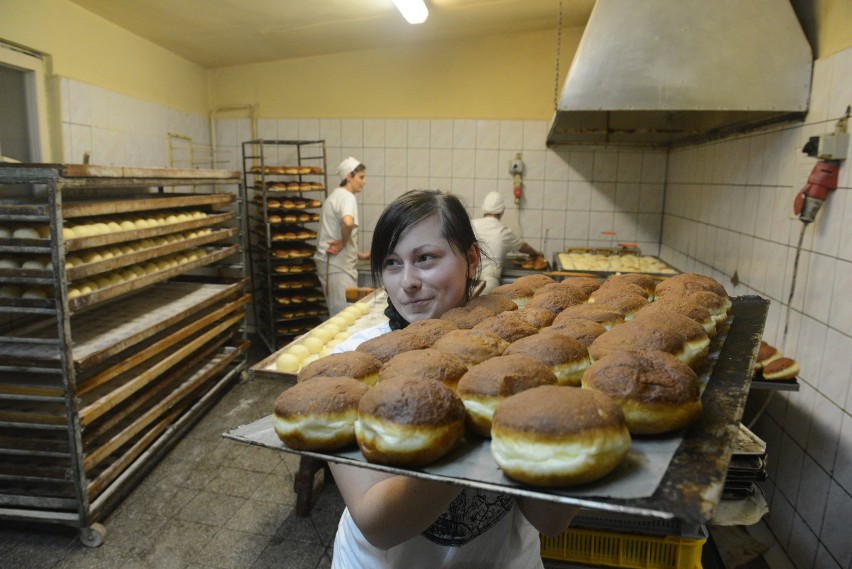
(549, 518)
(391, 509)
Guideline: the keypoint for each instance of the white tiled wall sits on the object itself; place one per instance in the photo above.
(122, 131)
(728, 211)
(570, 196)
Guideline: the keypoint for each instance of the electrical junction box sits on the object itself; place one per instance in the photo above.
(834, 146)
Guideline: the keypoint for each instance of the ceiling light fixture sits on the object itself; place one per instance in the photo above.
(414, 11)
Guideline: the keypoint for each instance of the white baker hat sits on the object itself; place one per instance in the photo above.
(347, 167)
(493, 204)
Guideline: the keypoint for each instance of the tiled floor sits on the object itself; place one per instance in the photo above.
(212, 503)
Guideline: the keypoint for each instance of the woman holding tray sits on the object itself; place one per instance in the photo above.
(426, 256)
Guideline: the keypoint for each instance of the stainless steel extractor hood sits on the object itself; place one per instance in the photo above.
(668, 72)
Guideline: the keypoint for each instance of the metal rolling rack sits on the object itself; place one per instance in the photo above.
(284, 217)
(105, 363)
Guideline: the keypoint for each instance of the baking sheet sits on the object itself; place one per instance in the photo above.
(471, 464)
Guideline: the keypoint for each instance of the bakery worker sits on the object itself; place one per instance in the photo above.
(337, 252)
(497, 240)
(425, 255)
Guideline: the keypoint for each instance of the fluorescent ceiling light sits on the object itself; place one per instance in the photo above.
(412, 10)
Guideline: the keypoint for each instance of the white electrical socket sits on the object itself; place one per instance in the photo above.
(834, 146)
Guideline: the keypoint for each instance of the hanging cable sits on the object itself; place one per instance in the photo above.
(558, 56)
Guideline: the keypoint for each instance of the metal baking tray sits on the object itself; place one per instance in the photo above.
(691, 483)
(560, 269)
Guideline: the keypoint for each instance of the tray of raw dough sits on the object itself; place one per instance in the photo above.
(604, 264)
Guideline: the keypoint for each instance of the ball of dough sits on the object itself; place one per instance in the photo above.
(299, 351)
(313, 344)
(322, 335)
(25, 233)
(363, 307)
(287, 363)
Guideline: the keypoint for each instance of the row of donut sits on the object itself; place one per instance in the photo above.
(559, 375)
(288, 203)
(293, 186)
(613, 263)
(772, 365)
(286, 170)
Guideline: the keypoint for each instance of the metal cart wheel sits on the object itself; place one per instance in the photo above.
(93, 536)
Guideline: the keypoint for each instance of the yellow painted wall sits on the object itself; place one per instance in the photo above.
(507, 77)
(86, 47)
(834, 26)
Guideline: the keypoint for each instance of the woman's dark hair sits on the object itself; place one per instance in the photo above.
(406, 211)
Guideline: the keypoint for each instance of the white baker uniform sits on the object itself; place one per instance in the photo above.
(340, 272)
(497, 242)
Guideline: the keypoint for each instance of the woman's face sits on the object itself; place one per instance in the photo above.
(424, 276)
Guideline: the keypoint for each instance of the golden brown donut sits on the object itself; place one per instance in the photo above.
(534, 281)
(427, 364)
(765, 354)
(386, 346)
(319, 414)
(691, 282)
(684, 306)
(604, 315)
(637, 336)
(496, 303)
(488, 383)
(556, 300)
(471, 346)
(537, 316)
(624, 301)
(781, 368)
(518, 294)
(409, 421)
(645, 282)
(615, 289)
(357, 365)
(466, 317)
(719, 306)
(580, 329)
(558, 436)
(656, 391)
(566, 357)
(696, 341)
(584, 285)
(510, 326)
(431, 329)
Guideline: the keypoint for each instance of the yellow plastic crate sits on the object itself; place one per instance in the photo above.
(623, 550)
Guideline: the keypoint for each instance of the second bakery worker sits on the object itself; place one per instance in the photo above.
(337, 251)
(497, 240)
